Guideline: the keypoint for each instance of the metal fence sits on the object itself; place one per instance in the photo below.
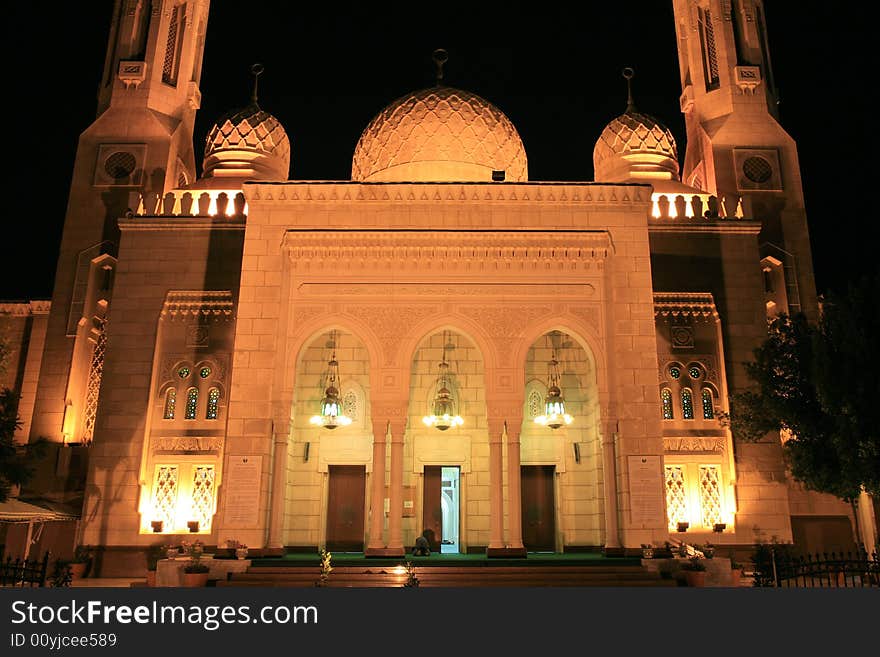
(22, 573)
(835, 570)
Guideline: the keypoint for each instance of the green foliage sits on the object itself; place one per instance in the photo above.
(326, 567)
(17, 462)
(818, 383)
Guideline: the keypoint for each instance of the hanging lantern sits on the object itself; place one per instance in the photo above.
(554, 404)
(331, 408)
(443, 410)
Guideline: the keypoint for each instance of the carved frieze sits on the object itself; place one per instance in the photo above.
(693, 444)
(390, 323)
(187, 444)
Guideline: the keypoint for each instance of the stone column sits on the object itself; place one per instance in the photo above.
(514, 489)
(395, 529)
(376, 545)
(496, 490)
(609, 478)
(279, 492)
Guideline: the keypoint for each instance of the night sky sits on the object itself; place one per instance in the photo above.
(329, 71)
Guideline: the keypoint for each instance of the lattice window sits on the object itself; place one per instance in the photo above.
(710, 52)
(170, 403)
(666, 400)
(165, 494)
(202, 496)
(213, 402)
(535, 404)
(687, 404)
(174, 45)
(350, 405)
(96, 371)
(192, 403)
(708, 404)
(676, 496)
(710, 494)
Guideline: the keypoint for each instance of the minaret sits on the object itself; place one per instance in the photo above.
(140, 142)
(735, 144)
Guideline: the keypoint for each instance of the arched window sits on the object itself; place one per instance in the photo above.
(170, 403)
(687, 404)
(666, 398)
(213, 401)
(708, 404)
(192, 402)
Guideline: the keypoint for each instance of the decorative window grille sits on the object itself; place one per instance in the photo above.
(96, 371)
(710, 53)
(202, 496)
(676, 496)
(213, 401)
(687, 404)
(666, 399)
(350, 405)
(165, 495)
(708, 404)
(535, 404)
(192, 402)
(710, 495)
(170, 403)
(174, 45)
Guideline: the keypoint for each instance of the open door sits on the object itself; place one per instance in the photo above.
(440, 509)
(345, 508)
(538, 508)
(432, 508)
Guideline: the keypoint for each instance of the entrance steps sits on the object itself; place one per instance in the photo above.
(489, 575)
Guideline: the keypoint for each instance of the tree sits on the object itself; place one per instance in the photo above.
(818, 384)
(17, 461)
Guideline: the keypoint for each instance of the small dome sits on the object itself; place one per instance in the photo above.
(634, 146)
(247, 143)
(439, 134)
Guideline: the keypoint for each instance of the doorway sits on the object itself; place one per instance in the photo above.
(345, 508)
(441, 508)
(538, 508)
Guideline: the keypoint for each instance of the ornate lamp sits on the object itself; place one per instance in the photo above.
(554, 404)
(443, 411)
(331, 408)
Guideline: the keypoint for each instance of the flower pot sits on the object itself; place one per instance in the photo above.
(695, 577)
(647, 553)
(241, 553)
(195, 580)
(78, 570)
(151, 578)
(171, 553)
(736, 576)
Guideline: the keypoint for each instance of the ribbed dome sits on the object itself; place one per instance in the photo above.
(439, 135)
(247, 142)
(635, 145)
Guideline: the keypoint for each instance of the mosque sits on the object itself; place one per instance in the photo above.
(439, 344)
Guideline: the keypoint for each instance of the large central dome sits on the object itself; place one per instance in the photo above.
(439, 135)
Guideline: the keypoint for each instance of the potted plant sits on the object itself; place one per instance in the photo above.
(154, 554)
(736, 571)
(647, 551)
(326, 568)
(695, 571)
(82, 558)
(195, 573)
(708, 550)
(241, 551)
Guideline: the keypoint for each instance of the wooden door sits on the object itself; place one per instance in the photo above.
(538, 508)
(345, 508)
(432, 509)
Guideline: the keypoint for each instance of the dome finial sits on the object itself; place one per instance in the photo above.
(440, 56)
(256, 71)
(629, 74)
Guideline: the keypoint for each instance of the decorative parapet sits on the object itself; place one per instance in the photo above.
(25, 308)
(697, 305)
(698, 207)
(196, 203)
(198, 303)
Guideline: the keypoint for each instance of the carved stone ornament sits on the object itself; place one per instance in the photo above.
(693, 444)
(390, 323)
(187, 444)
